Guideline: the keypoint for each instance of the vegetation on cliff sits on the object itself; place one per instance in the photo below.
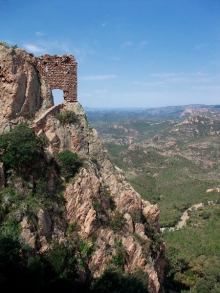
(58, 269)
(171, 159)
(27, 170)
(67, 117)
(6, 45)
(21, 149)
(61, 199)
(69, 163)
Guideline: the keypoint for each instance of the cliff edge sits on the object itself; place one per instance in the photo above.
(95, 204)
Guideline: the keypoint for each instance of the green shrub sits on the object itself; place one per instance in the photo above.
(11, 265)
(69, 162)
(4, 44)
(119, 257)
(145, 243)
(156, 238)
(14, 46)
(20, 148)
(62, 260)
(71, 228)
(66, 117)
(119, 282)
(11, 227)
(117, 222)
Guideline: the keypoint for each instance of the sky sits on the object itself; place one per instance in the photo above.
(130, 53)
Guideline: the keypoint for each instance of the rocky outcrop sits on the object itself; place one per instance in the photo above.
(23, 91)
(100, 203)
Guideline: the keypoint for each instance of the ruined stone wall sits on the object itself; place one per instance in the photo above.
(60, 72)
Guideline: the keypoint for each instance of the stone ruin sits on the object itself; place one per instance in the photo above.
(60, 72)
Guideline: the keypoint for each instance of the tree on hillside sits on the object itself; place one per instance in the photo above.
(20, 148)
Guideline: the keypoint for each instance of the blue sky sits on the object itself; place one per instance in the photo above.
(130, 53)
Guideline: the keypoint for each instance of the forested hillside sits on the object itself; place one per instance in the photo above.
(170, 156)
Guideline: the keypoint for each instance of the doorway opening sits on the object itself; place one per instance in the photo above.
(57, 96)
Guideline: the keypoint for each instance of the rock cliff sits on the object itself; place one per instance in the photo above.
(100, 205)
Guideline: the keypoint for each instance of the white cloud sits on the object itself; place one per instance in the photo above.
(40, 34)
(176, 77)
(200, 46)
(101, 91)
(144, 43)
(49, 47)
(104, 23)
(114, 58)
(183, 80)
(127, 44)
(138, 45)
(98, 77)
(208, 87)
(59, 47)
(163, 75)
(80, 53)
(86, 95)
(52, 45)
(34, 48)
(198, 73)
(215, 62)
(156, 83)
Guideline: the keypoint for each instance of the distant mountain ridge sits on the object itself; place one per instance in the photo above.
(100, 115)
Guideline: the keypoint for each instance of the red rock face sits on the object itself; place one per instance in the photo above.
(60, 72)
(25, 97)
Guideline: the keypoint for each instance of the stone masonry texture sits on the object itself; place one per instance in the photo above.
(60, 72)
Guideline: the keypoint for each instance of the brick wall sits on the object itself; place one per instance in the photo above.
(60, 72)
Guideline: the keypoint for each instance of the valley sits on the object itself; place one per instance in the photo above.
(170, 156)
